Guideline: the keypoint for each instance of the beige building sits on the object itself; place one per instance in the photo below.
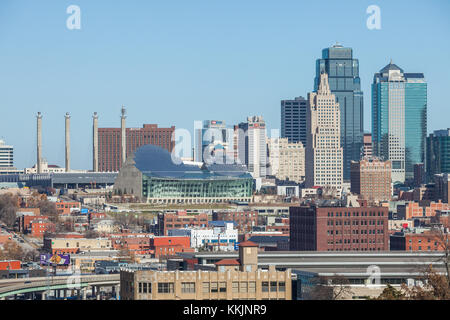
(287, 160)
(371, 179)
(324, 151)
(76, 245)
(233, 280)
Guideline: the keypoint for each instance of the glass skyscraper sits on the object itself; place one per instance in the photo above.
(399, 119)
(293, 120)
(438, 153)
(345, 84)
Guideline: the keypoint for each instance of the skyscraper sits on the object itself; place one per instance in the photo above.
(213, 142)
(113, 145)
(257, 147)
(293, 120)
(323, 148)
(438, 153)
(6, 155)
(399, 119)
(345, 84)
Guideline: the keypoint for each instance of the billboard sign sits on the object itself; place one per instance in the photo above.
(58, 259)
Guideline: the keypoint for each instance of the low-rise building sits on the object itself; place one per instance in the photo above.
(76, 245)
(232, 280)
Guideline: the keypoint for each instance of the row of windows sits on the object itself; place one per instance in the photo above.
(214, 287)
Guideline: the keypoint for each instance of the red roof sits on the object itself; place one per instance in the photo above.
(247, 244)
(228, 262)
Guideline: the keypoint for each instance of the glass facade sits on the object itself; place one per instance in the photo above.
(293, 120)
(438, 154)
(158, 188)
(345, 84)
(399, 119)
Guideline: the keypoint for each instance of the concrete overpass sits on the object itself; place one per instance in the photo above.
(78, 283)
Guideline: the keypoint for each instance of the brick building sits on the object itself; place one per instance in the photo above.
(412, 240)
(110, 143)
(371, 179)
(169, 246)
(180, 220)
(339, 228)
(66, 208)
(245, 219)
(38, 227)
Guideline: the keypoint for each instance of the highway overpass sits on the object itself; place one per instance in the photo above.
(80, 283)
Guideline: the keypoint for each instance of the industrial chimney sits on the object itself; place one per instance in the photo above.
(123, 135)
(39, 143)
(67, 116)
(95, 142)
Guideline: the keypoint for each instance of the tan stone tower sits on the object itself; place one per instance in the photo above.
(67, 117)
(248, 256)
(324, 162)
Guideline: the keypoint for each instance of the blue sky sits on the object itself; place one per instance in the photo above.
(175, 61)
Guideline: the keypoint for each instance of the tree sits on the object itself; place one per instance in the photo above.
(11, 251)
(434, 287)
(91, 234)
(330, 288)
(390, 293)
(8, 209)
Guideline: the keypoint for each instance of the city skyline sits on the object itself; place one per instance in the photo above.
(118, 80)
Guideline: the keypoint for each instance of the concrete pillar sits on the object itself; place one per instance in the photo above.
(95, 143)
(67, 116)
(83, 292)
(39, 143)
(98, 293)
(44, 295)
(123, 135)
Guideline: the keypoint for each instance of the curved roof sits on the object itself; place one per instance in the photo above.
(155, 161)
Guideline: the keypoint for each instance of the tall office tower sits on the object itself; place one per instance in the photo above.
(39, 142)
(213, 142)
(345, 84)
(371, 179)
(67, 135)
(367, 148)
(323, 148)
(287, 159)
(110, 143)
(240, 143)
(399, 119)
(293, 120)
(95, 142)
(438, 153)
(6, 155)
(257, 147)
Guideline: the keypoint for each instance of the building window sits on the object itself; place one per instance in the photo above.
(252, 287)
(282, 286)
(273, 286)
(188, 287)
(214, 287)
(205, 287)
(243, 287)
(222, 287)
(165, 287)
(265, 286)
(235, 287)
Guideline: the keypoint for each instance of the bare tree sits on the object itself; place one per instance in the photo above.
(8, 209)
(330, 288)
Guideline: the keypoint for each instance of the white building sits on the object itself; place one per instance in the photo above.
(324, 152)
(257, 147)
(287, 159)
(227, 236)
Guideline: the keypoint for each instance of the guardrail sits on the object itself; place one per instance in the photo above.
(44, 283)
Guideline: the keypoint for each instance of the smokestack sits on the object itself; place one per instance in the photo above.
(39, 143)
(123, 135)
(67, 116)
(95, 142)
